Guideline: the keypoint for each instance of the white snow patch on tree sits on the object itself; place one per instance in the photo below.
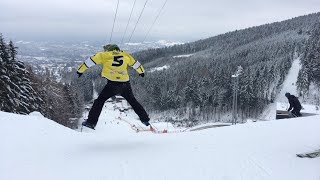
(183, 56)
(162, 68)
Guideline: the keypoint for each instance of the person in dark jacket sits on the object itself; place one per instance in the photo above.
(294, 104)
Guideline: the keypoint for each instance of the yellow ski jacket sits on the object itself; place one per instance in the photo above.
(115, 65)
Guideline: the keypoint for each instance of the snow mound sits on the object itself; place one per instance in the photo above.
(34, 147)
(36, 113)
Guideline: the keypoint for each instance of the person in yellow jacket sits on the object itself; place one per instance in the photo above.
(115, 64)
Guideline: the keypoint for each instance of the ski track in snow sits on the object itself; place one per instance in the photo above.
(289, 84)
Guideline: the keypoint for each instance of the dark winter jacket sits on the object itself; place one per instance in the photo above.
(294, 103)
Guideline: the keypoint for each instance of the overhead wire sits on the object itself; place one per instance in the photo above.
(125, 31)
(114, 20)
(138, 20)
(155, 20)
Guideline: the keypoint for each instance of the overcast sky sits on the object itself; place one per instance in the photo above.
(180, 20)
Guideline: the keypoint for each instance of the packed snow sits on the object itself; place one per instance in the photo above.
(34, 147)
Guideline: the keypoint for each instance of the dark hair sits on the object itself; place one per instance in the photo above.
(287, 94)
(111, 47)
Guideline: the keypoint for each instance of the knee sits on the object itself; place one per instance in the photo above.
(99, 101)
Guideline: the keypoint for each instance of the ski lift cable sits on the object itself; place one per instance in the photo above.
(125, 31)
(155, 20)
(138, 20)
(114, 20)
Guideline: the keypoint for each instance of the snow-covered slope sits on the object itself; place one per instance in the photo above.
(289, 84)
(34, 147)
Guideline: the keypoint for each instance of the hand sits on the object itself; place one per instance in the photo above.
(142, 74)
(79, 74)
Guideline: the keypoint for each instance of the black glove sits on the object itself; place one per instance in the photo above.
(142, 74)
(79, 74)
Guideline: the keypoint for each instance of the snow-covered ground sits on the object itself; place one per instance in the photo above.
(34, 147)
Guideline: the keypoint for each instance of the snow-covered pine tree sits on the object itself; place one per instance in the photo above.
(6, 94)
(3, 49)
(16, 93)
(12, 50)
(310, 71)
(313, 56)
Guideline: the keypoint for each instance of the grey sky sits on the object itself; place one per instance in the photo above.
(180, 20)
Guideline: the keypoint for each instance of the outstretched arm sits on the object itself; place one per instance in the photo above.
(91, 61)
(137, 66)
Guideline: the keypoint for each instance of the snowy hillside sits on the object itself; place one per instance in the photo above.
(34, 147)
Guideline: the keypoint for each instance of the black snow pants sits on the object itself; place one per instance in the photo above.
(111, 89)
(296, 111)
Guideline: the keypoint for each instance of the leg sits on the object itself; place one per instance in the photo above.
(295, 112)
(136, 106)
(97, 106)
(298, 111)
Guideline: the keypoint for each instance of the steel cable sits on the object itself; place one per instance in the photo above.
(114, 20)
(155, 20)
(125, 31)
(138, 20)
